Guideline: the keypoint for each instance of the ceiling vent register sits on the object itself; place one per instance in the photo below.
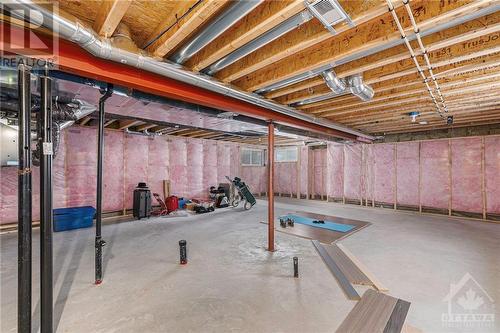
(330, 13)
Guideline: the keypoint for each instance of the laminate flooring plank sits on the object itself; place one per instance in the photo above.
(398, 316)
(307, 232)
(370, 314)
(375, 282)
(358, 225)
(347, 266)
(344, 283)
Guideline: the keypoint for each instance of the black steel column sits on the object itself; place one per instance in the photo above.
(99, 242)
(45, 123)
(24, 203)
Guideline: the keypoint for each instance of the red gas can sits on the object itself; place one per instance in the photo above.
(172, 203)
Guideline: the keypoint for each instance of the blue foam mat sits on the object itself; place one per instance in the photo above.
(329, 225)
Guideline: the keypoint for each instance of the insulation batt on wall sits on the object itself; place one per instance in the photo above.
(192, 165)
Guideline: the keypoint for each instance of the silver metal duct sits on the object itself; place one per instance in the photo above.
(88, 40)
(336, 84)
(318, 99)
(269, 36)
(359, 88)
(227, 19)
(312, 73)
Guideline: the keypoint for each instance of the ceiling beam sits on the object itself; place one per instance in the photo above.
(109, 16)
(418, 101)
(85, 120)
(145, 127)
(171, 36)
(263, 18)
(389, 95)
(124, 124)
(368, 36)
(109, 122)
(309, 34)
(483, 41)
(479, 65)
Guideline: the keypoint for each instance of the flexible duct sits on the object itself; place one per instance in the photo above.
(336, 84)
(359, 88)
(88, 40)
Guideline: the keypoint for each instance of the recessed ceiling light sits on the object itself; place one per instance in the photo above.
(423, 122)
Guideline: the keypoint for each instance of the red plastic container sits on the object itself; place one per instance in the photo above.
(172, 203)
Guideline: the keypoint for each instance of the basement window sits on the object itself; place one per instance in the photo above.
(252, 157)
(288, 154)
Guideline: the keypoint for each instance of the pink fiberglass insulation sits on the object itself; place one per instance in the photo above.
(178, 166)
(466, 175)
(158, 163)
(367, 188)
(384, 172)
(136, 164)
(195, 169)
(223, 163)
(235, 162)
(8, 192)
(435, 182)
(81, 166)
(210, 169)
(304, 171)
(492, 173)
(286, 177)
(352, 171)
(319, 171)
(407, 173)
(335, 170)
(113, 171)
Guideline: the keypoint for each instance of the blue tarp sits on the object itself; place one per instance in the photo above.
(327, 225)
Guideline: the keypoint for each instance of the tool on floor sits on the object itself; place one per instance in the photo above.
(295, 267)
(163, 210)
(319, 221)
(243, 192)
(183, 251)
(290, 222)
(282, 223)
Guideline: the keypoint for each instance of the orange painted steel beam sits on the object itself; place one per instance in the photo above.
(73, 59)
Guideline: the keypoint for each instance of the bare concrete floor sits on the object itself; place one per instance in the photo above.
(232, 284)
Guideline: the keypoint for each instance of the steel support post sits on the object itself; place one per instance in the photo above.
(24, 203)
(99, 242)
(46, 152)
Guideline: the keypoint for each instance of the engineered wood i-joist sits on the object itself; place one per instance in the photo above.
(266, 16)
(483, 41)
(309, 34)
(109, 16)
(364, 37)
(177, 33)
